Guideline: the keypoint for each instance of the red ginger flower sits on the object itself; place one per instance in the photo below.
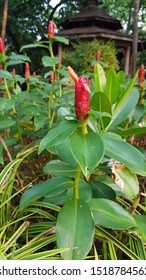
(51, 27)
(82, 91)
(27, 70)
(2, 46)
(141, 76)
(97, 55)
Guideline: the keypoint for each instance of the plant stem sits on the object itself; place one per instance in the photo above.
(8, 94)
(84, 127)
(76, 184)
(135, 204)
(77, 178)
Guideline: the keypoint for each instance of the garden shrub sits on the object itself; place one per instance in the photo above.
(82, 55)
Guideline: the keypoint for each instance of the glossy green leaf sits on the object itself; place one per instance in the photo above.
(61, 40)
(109, 214)
(101, 190)
(141, 225)
(100, 102)
(100, 79)
(124, 107)
(88, 150)
(6, 122)
(111, 88)
(59, 168)
(85, 191)
(58, 134)
(75, 229)
(65, 153)
(130, 85)
(50, 187)
(49, 61)
(121, 77)
(130, 185)
(58, 199)
(125, 153)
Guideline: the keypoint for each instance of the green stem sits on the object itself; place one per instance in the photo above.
(27, 86)
(84, 127)
(53, 115)
(76, 184)
(135, 204)
(19, 131)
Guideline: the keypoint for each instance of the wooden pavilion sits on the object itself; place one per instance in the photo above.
(93, 23)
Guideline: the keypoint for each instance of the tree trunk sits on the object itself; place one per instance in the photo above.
(4, 22)
(135, 37)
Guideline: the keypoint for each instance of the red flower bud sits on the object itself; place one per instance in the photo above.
(82, 101)
(27, 70)
(34, 74)
(141, 76)
(51, 27)
(97, 55)
(13, 72)
(51, 78)
(2, 46)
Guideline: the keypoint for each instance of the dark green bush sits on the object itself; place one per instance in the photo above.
(82, 56)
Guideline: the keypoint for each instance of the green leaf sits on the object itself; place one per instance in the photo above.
(129, 181)
(111, 88)
(30, 110)
(61, 40)
(6, 104)
(85, 191)
(124, 107)
(36, 45)
(40, 121)
(59, 168)
(49, 61)
(50, 187)
(88, 150)
(65, 153)
(141, 225)
(6, 122)
(5, 74)
(125, 153)
(100, 102)
(138, 112)
(101, 190)
(19, 57)
(131, 131)
(121, 77)
(99, 76)
(58, 199)
(75, 229)
(58, 134)
(109, 214)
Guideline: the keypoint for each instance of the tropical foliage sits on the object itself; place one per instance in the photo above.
(65, 174)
